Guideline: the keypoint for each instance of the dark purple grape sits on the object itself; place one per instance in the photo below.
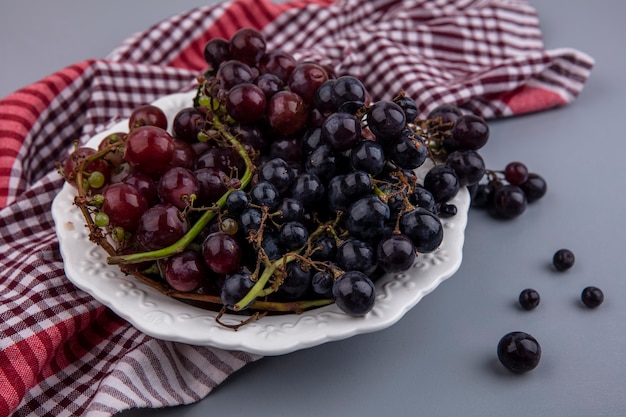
(341, 131)
(293, 235)
(351, 107)
(423, 228)
(409, 106)
(534, 187)
(185, 271)
(509, 201)
(251, 219)
(482, 196)
(368, 156)
(289, 149)
(252, 139)
(221, 252)
(366, 218)
(297, 281)
(336, 198)
(265, 194)
(592, 297)
(386, 120)
(529, 299)
(277, 172)
(270, 84)
(237, 201)
(470, 132)
(563, 259)
(187, 123)
(212, 185)
(160, 226)
(357, 255)
(325, 249)
(271, 245)
(395, 253)
(233, 72)
(247, 45)
(307, 188)
(445, 113)
(216, 51)
(234, 288)
(347, 89)
(442, 182)
(356, 184)
(354, 293)
(407, 150)
(222, 158)
(447, 210)
(323, 99)
(311, 140)
(423, 198)
(322, 283)
(322, 162)
(279, 63)
(246, 103)
(468, 165)
(519, 352)
(290, 210)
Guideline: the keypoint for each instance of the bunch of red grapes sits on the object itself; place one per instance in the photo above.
(281, 187)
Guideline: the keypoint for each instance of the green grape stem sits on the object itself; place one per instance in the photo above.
(258, 289)
(201, 223)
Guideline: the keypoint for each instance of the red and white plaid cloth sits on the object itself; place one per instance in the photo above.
(64, 354)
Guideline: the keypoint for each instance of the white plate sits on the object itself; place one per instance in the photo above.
(166, 318)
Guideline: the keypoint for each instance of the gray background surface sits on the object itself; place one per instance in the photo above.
(440, 360)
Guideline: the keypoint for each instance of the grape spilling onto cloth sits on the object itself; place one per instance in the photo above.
(282, 187)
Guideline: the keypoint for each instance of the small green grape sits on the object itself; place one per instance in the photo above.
(97, 201)
(202, 137)
(96, 179)
(229, 226)
(118, 234)
(101, 219)
(204, 101)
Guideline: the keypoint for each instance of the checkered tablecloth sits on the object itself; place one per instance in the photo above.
(64, 354)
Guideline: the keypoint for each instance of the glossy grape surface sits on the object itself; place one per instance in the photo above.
(563, 259)
(592, 297)
(529, 299)
(519, 352)
(354, 293)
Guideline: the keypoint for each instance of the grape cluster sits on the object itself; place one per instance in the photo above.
(281, 186)
(506, 194)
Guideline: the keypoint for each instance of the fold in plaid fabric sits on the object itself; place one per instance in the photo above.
(64, 354)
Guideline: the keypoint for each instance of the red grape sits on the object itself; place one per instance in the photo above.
(160, 226)
(147, 115)
(287, 113)
(75, 158)
(221, 252)
(185, 271)
(149, 149)
(124, 204)
(246, 103)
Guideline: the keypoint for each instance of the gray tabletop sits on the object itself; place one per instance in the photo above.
(440, 359)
